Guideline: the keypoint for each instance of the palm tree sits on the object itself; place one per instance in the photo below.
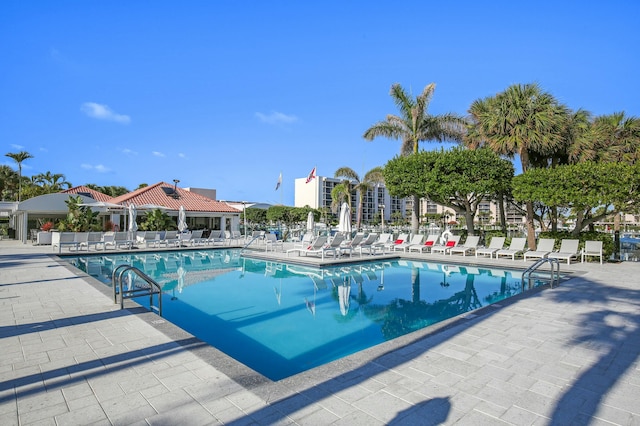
(524, 121)
(8, 182)
(415, 125)
(19, 157)
(52, 182)
(339, 194)
(614, 137)
(371, 178)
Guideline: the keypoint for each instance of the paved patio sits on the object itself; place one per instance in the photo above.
(567, 355)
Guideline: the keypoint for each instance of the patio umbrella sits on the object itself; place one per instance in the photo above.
(344, 292)
(133, 212)
(310, 222)
(344, 225)
(182, 219)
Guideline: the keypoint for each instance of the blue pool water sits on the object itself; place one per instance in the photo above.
(281, 319)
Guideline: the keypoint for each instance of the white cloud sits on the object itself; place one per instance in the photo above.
(276, 118)
(181, 155)
(127, 151)
(98, 167)
(103, 112)
(158, 154)
(16, 146)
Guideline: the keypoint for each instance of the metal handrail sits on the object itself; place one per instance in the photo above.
(154, 287)
(249, 243)
(554, 274)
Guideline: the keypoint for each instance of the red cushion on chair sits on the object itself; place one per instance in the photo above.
(309, 248)
(428, 243)
(398, 241)
(451, 243)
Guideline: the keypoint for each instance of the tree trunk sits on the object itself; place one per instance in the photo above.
(531, 232)
(501, 212)
(415, 215)
(469, 217)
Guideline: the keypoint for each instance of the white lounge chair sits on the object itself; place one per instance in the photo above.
(402, 238)
(470, 245)
(349, 246)
(431, 240)
(495, 245)
(314, 248)
(415, 240)
(368, 243)
(545, 246)
(516, 248)
(568, 250)
(448, 245)
(593, 249)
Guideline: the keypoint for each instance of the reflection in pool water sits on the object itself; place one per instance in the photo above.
(281, 319)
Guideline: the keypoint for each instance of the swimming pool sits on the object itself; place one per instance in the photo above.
(281, 319)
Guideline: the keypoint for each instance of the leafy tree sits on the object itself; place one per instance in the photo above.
(157, 220)
(371, 178)
(112, 191)
(79, 218)
(19, 157)
(463, 178)
(255, 217)
(287, 215)
(520, 121)
(52, 182)
(415, 125)
(8, 182)
(592, 190)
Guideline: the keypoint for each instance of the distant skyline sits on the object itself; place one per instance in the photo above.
(229, 95)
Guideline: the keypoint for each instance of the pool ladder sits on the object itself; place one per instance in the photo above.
(249, 243)
(554, 274)
(136, 289)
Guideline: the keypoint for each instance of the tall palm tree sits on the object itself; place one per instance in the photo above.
(371, 178)
(415, 125)
(524, 121)
(8, 182)
(614, 137)
(19, 157)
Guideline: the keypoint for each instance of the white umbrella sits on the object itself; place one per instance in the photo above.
(310, 222)
(344, 292)
(182, 219)
(133, 226)
(344, 225)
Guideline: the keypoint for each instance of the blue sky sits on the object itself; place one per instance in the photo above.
(229, 94)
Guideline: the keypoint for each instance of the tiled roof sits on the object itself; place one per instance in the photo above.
(161, 194)
(98, 196)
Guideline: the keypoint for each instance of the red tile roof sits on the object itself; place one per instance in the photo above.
(156, 195)
(98, 196)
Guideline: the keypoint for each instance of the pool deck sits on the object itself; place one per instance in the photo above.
(567, 355)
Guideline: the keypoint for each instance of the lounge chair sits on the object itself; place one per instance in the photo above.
(59, 239)
(470, 245)
(333, 246)
(306, 240)
(348, 246)
(215, 236)
(432, 239)
(122, 239)
(516, 248)
(368, 243)
(272, 242)
(169, 238)
(314, 248)
(448, 245)
(545, 246)
(568, 250)
(415, 240)
(495, 245)
(402, 238)
(592, 248)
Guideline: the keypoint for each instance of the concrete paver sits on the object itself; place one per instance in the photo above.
(566, 355)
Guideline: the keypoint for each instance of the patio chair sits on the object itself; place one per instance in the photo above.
(348, 246)
(545, 246)
(448, 245)
(592, 248)
(402, 238)
(215, 236)
(516, 248)
(496, 244)
(470, 245)
(432, 239)
(170, 238)
(314, 248)
(415, 240)
(368, 243)
(59, 239)
(306, 240)
(272, 242)
(568, 250)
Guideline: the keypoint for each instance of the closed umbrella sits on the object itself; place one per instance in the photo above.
(182, 219)
(310, 222)
(344, 224)
(344, 293)
(133, 212)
